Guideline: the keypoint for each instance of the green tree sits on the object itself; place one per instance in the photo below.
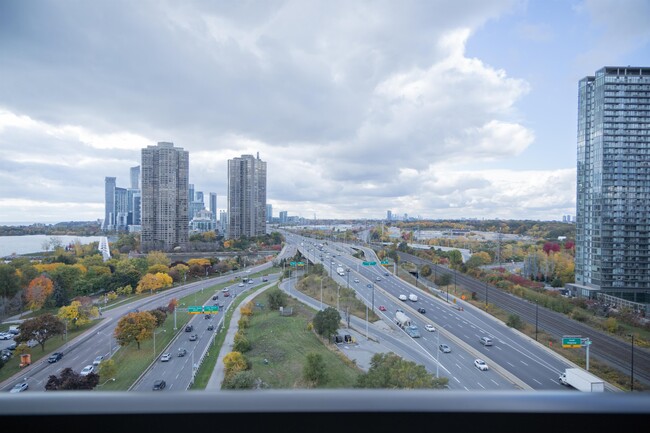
(240, 380)
(71, 380)
(327, 322)
(9, 281)
(314, 370)
(135, 327)
(107, 369)
(276, 298)
(241, 343)
(514, 321)
(40, 329)
(389, 371)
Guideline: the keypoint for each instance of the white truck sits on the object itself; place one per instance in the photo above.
(402, 320)
(340, 271)
(582, 380)
(413, 297)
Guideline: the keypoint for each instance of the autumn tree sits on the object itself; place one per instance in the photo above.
(389, 371)
(160, 314)
(40, 329)
(71, 380)
(107, 369)
(158, 267)
(173, 303)
(136, 327)
(153, 282)
(234, 362)
(78, 313)
(39, 289)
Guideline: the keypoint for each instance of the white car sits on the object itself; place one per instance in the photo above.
(6, 336)
(356, 280)
(402, 297)
(480, 364)
(87, 370)
(98, 360)
(19, 387)
(166, 357)
(241, 284)
(429, 327)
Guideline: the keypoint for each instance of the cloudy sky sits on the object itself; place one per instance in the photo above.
(437, 109)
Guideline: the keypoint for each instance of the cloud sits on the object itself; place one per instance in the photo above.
(350, 104)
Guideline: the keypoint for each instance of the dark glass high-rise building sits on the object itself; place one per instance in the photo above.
(246, 197)
(164, 201)
(613, 183)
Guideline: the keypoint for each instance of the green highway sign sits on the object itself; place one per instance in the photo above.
(369, 263)
(384, 262)
(293, 263)
(571, 342)
(211, 309)
(300, 263)
(195, 309)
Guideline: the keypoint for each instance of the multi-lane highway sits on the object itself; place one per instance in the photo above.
(513, 359)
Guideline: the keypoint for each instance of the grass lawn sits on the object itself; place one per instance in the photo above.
(285, 343)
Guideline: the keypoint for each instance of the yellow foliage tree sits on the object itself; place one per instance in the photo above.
(153, 282)
(234, 362)
(247, 310)
(39, 289)
(78, 314)
(158, 267)
(47, 267)
(200, 262)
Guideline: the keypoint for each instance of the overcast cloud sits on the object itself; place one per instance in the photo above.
(357, 107)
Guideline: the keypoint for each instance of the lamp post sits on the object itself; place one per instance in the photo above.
(632, 365)
(373, 297)
(112, 379)
(486, 294)
(154, 342)
(321, 293)
(536, 316)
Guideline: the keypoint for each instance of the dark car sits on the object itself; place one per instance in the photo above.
(207, 316)
(189, 328)
(210, 327)
(5, 355)
(182, 352)
(215, 297)
(54, 357)
(193, 337)
(159, 385)
(421, 310)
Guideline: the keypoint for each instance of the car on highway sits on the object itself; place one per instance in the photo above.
(98, 360)
(480, 364)
(54, 357)
(386, 274)
(166, 357)
(87, 370)
(19, 387)
(189, 328)
(6, 336)
(356, 280)
(251, 281)
(159, 385)
(182, 352)
(402, 297)
(5, 355)
(444, 348)
(193, 337)
(226, 294)
(429, 327)
(378, 279)
(215, 297)
(240, 285)
(382, 308)
(211, 327)
(422, 310)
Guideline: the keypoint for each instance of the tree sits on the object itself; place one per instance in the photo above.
(71, 380)
(107, 369)
(157, 257)
(39, 289)
(172, 305)
(514, 321)
(158, 267)
(40, 329)
(160, 314)
(136, 327)
(276, 299)
(314, 370)
(240, 380)
(234, 362)
(241, 343)
(153, 282)
(78, 312)
(389, 371)
(551, 247)
(327, 321)
(9, 281)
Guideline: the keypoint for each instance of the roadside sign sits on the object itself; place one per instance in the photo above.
(195, 309)
(384, 262)
(300, 263)
(572, 342)
(292, 263)
(369, 263)
(212, 309)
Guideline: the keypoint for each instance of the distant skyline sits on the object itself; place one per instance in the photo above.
(436, 109)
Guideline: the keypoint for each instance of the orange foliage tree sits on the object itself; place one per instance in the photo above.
(39, 289)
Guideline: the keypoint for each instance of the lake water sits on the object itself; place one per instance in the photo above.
(34, 243)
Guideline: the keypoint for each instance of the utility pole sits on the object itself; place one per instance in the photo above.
(536, 315)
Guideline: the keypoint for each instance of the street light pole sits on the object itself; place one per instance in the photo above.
(373, 297)
(438, 357)
(536, 316)
(321, 293)
(632, 365)
(486, 294)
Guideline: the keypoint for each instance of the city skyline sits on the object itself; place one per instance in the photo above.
(431, 109)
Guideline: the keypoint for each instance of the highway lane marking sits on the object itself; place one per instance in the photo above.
(536, 380)
(524, 363)
(456, 379)
(510, 364)
(495, 382)
(479, 384)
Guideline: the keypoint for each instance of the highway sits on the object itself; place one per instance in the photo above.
(514, 357)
